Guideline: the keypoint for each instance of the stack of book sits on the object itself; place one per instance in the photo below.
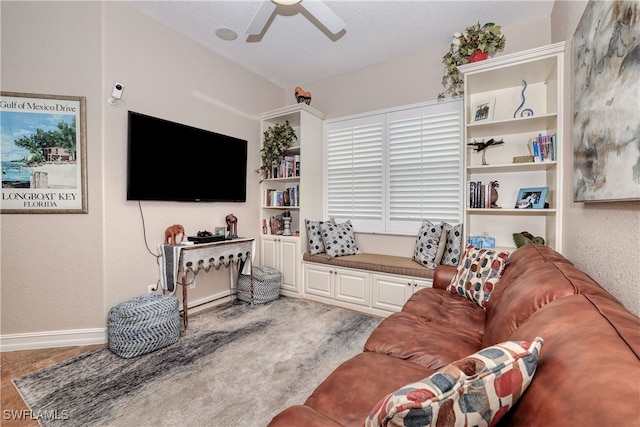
(543, 147)
(289, 168)
(288, 197)
(273, 225)
(478, 195)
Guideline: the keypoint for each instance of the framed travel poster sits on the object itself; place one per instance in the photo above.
(44, 167)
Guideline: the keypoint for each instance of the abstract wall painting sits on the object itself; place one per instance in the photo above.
(606, 125)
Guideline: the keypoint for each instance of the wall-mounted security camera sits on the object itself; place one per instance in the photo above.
(118, 88)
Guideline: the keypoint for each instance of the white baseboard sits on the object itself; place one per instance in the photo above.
(49, 339)
(198, 305)
(77, 337)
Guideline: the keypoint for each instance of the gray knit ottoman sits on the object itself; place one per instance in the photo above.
(266, 285)
(143, 324)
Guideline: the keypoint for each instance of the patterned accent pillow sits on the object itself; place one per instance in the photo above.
(475, 391)
(427, 242)
(339, 239)
(453, 244)
(478, 273)
(314, 236)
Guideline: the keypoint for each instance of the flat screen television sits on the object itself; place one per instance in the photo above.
(169, 161)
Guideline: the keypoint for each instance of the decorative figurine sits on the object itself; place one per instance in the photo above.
(302, 96)
(524, 237)
(232, 225)
(494, 194)
(527, 112)
(171, 233)
(482, 146)
(287, 226)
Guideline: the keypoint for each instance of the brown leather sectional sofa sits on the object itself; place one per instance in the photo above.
(588, 371)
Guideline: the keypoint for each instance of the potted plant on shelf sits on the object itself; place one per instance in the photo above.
(277, 139)
(475, 44)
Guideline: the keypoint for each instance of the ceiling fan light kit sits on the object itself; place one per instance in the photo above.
(286, 2)
(325, 16)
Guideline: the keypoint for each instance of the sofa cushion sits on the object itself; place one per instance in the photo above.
(524, 261)
(428, 341)
(349, 392)
(451, 310)
(476, 390)
(427, 242)
(300, 415)
(453, 244)
(514, 301)
(589, 371)
(390, 264)
(314, 236)
(478, 273)
(339, 239)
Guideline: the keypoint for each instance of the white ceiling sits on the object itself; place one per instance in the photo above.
(295, 50)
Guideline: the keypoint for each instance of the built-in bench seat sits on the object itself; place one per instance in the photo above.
(390, 264)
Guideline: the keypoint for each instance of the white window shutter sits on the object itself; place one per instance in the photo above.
(355, 172)
(425, 166)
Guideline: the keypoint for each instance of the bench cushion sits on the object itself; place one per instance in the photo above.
(390, 264)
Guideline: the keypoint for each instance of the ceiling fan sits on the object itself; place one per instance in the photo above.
(316, 8)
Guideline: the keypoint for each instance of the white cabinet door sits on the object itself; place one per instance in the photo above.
(282, 253)
(391, 292)
(318, 280)
(352, 286)
(269, 252)
(289, 250)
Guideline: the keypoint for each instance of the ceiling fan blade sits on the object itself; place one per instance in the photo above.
(324, 15)
(259, 21)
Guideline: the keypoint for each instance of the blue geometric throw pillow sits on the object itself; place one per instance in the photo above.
(426, 248)
(314, 236)
(339, 239)
(453, 246)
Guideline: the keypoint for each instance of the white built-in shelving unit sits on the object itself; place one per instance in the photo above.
(285, 252)
(500, 81)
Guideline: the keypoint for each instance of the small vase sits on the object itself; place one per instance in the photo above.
(478, 56)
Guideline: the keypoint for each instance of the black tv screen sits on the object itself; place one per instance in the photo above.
(169, 161)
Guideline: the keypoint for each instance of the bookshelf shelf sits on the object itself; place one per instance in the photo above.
(503, 211)
(282, 208)
(511, 125)
(513, 167)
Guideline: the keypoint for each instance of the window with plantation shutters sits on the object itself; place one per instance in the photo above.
(424, 166)
(387, 172)
(355, 171)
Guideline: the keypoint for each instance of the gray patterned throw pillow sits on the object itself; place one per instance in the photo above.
(453, 246)
(314, 236)
(339, 239)
(427, 242)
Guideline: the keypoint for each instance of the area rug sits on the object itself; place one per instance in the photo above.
(236, 365)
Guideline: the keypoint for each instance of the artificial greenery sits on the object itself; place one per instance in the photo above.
(486, 38)
(277, 139)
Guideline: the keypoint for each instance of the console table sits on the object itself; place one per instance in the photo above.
(179, 260)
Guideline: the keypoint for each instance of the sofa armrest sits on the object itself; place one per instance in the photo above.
(300, 415)
(443, 276)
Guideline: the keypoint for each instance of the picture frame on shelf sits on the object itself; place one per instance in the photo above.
(532, 198)
(483, 111)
